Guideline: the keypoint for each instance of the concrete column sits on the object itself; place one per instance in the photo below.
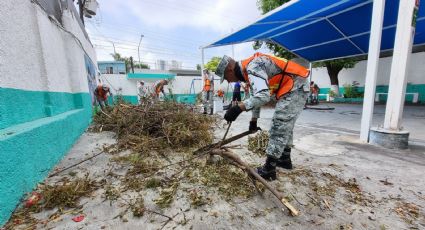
(392, 135)
(402, 50)
(372, 67)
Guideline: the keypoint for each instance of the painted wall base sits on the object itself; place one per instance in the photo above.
(30, 150)
(389, 139)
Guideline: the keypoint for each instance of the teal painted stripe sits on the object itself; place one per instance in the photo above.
(19, 106)
(29, 150)
(150, 76)
(134, 100)
(410, 88)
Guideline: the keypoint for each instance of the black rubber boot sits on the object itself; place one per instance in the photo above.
(205, 110)
(285, 160)
(211, 111)
(268, 170)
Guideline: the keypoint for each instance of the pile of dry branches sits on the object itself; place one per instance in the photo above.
(156, 126)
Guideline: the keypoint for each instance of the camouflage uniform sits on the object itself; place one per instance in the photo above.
(287, 109)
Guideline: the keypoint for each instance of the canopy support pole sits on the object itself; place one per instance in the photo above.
(402, 50)
(372, 68)
(393, 135)
(202, 59)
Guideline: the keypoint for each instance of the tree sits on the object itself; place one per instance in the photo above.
(141, 66)
(333, 67)
(118, 57)
(212, 64)
(126, 60)
(198, 67)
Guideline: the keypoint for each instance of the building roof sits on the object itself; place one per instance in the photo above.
(186, 72)
(110, 62)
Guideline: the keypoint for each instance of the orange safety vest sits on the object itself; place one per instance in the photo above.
(281, 83)
(159, 87)
(207, 85)
(101, 93)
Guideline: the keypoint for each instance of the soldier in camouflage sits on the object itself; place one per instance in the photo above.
(269, 78)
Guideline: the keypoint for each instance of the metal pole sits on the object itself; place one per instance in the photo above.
(138, 48)
(203, 60)
(372, 68)
(311, 71)
(113, 45)
(233, 49)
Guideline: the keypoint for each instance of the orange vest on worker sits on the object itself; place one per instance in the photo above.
(158, 87)
(101, 93)
(207, 85)
(281, 83)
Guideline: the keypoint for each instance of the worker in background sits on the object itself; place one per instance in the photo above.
(236, 93)
(142, 91)
(158, 89)
(220, 94)
(314, 93)
(208, 91)
(269, 76)
(101, 94)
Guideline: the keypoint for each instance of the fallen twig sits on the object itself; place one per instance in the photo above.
(243, 165)
(168, 221)
(160, 214)
(315, 201)
(76, 164)
(105, 113)
(327, 204)
(295, 198)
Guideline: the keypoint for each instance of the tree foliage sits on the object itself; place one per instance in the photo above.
(141, 66)
(335, 66)
(126, 60)
(212, 64)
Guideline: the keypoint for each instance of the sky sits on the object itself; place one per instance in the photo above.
(171, 29)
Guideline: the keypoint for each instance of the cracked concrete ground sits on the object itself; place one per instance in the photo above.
(329, 163)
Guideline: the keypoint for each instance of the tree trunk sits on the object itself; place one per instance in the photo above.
(333, 72)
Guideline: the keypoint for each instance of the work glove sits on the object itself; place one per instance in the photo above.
(232, 113)
(253, 126)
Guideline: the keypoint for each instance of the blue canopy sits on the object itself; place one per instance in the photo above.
(324, 29)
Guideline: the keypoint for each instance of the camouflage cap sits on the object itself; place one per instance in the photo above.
(221, 67)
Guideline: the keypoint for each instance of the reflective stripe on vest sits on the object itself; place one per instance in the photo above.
(281, 83)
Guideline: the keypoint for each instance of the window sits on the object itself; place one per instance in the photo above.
(109, 70)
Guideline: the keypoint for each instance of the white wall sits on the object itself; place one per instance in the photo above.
(19, 53)
(117, 81)
(36, 54)
(181, 84)
(416, 74)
